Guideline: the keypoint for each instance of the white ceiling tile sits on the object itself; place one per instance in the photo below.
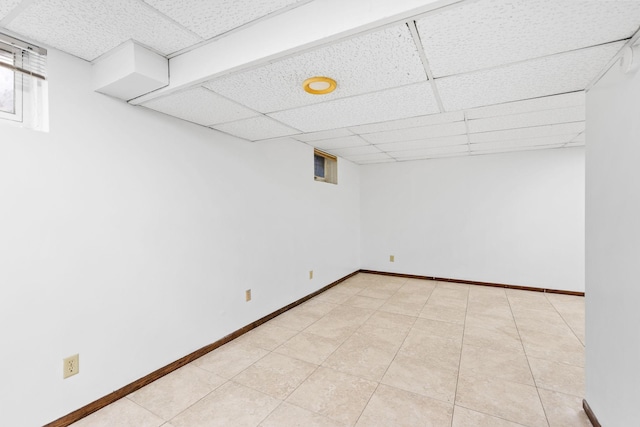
(579, 138)
(537, 118)
(88, 29)
(256, 128)
(200, 105)
(565, 100)
(7, 6)
(327, 134)
(370, 158)
(423, 143)
(432, 119)
(359, 65)
(402, 102)
(423, 132)
(514, 149)
(534, 132)
(334, 143)
(355, 151)
(374, 161)
(487, 33)
(526, 142)
(214, 17)
(563, 73)
(430, 152)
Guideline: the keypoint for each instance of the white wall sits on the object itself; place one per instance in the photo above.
(613, 249)
(514, 218)
(130, 237)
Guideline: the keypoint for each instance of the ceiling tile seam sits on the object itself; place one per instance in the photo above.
(258, 113)
(524, 139)
(17, 10)
(523, 100)
(522, 113)
(238, 28)
(539, 147)
(348, 97)
(572, 139)
(425, 140)
(409, 127)
(416, 139)
(522, 61)
(526, 127)
(424, 148)
(635, 37)
(413, 29)
(466, 125)
(168, 18)
(331, 138)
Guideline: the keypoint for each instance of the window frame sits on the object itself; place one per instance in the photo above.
(330, 167)
(18, 89)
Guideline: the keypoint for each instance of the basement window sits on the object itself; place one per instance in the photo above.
(23, 86)
(325, 167)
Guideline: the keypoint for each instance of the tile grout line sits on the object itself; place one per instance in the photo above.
(464, 327)
(564, 320)
(546, 417)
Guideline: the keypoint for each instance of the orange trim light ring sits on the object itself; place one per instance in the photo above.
(319, 85)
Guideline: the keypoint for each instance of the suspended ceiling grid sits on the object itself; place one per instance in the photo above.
(475, 77)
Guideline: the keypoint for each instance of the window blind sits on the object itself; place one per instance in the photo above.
(22, 57)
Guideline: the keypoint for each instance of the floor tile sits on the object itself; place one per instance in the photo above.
(287, 415)
(563, 410)
(492, 338)
(229, 405)
(439, 329)
(559, 348)
(444, 314)
(556, 376)
(267, 336)
(362, 356)
(275, 375)
(439, 351)
(414, 375)
(505, 365)
(230, 359)
(123, 413)
(390, 406)
(364, 302)
(463, 417)
(514, 402)
(334, 394)
(175, 392)
(309, 348)
(295, 320)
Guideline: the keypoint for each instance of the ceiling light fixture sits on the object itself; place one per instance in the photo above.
(319, 85)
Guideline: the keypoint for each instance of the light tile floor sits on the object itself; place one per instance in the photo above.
(384, 351)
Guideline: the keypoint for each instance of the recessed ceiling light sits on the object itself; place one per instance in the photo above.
(319, 85)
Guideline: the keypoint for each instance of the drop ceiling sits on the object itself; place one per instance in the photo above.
(457, 78)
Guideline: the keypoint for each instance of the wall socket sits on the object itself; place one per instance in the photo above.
(310, 274)
(70, 366)
(392, 258)
(247, 295)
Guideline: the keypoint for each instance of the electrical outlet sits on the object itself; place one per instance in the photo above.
(392, 258)
(70, 366)
(247, 295)
(310, 274)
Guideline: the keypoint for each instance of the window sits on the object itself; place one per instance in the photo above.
(325, 167)
(23, 86)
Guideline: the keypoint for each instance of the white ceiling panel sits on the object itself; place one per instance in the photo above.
(372, 62)
(327, 134)
(432, 119)
(537, 118)
(7, 6)
(515, 143)
(430, 152)
(534, 132)
(575, 144)
(579, 138)
(488, 33)
(513, 149)
(423, 132)
(256, 128)
(200, 106)
(334, 143)
(564, 100)
(370, 158)
(355, 151)
(423, 143)
(567, 72)
(398, 103)
(214, 17)
(88, 29)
